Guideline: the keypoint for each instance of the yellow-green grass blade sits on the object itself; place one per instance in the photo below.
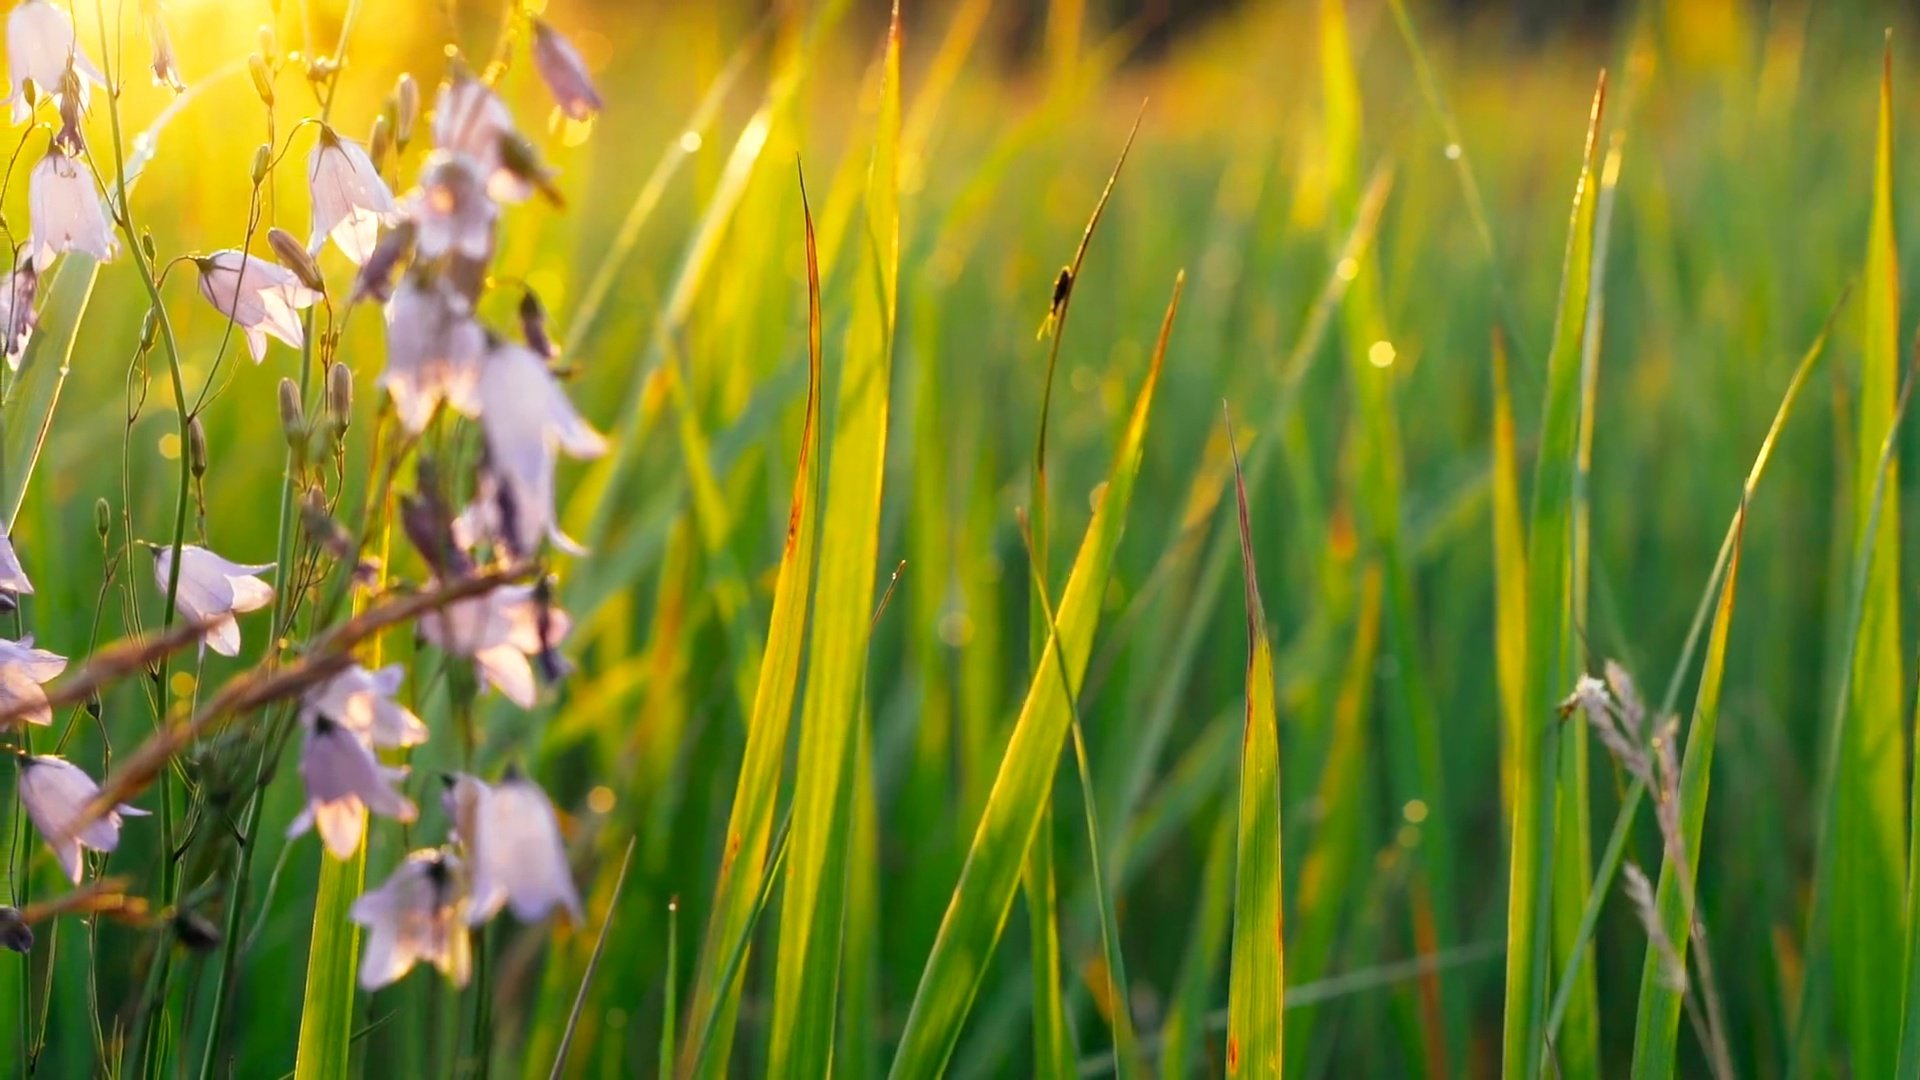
(1182, 1034)
(1657, 1027)
(1257, 972)
(1870, 850)
(743, 863)
(1509, 580)
(326, 1009)
(807, 961)
(1577, 1050)
(1551, 641)
(977, 912)
(1615, 850)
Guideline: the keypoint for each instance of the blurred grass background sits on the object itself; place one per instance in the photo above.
(1742, 210)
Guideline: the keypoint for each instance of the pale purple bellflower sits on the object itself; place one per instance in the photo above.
(23, 669)
(564, 73)
(18, 320)
(41, 47)
(500, 631)
(344, 781)
(262, 297)
(513, 845)
(433, 351)
(213, 590)
(64, 211)
(56, 794)
(350, 201)
(418, 914)
(526, 418)
(362, 701)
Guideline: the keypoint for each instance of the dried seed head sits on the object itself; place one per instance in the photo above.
(340, 395)
(262, 163)
(102, 518)
(293, 255)
(197, 447)
(262, 77)
(406, 109)
(293, 419)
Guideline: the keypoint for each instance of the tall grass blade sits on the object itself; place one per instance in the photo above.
(1870, 843)
(807, 961)
(1257, 973)
(1551, 641)
(326, 1009)
(743, 865)
(1509, 582)
(593, 965)
(978, 909)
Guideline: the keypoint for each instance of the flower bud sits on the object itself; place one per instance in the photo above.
(379, 142)
(262, 77)
(519, 157)
(149, 329)
(293, 255)
(406, 109)
(102, 518)
(196, 447)
(15, 934)
(293, 419)
(533, 326)
(146, 246)
(340, 395)
(262, 163)
(269, 44)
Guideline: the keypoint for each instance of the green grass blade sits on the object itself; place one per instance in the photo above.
(1257, 979)
(593, 965)
(758, 788)
(807, 962)
(978, 909)
(1657, 1028)
(1509, 581)
(326, 1006)
(1869, 858)
(1551, 652)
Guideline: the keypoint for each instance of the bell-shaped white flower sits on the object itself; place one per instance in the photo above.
(350, 201)
(564, 73)
(500, 631)
(418, 914)
(18, 319)
(13, 578)
(470, 121)
(262, 297)
(344, 781)
(451, 209)
(513, 846)
(213, 590)
(433, 351)
(362, 702)
(23, 670)
(56, 794)
(41, 47)
(526, 418)
(64, 210)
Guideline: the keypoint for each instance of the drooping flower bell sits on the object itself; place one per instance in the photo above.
(500, 631)
(260, 296)
(23, 670)
(418, 914)
(56, 794)
(166, 66)
(344, 781)
(362, 701)
(433, 351)
(512, 839)
(452, 210)
(213, 590)
(350, 201)
(526, 418)
(13, 578)
(564, 73)
(41, 48)
(18, 319)
(65, 211)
